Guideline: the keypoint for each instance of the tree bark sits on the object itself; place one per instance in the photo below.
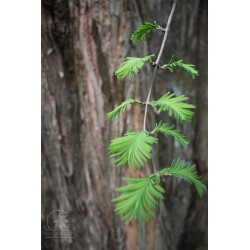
(83, 43)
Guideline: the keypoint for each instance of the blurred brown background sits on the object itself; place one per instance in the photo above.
(83, 43)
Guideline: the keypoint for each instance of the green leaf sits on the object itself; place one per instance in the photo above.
(134, 149)
(141, 33)
(138, 200)
(132, 65)
(186, 171)
(164, 128)
(190, 68)
(175, 106)
(112, 114)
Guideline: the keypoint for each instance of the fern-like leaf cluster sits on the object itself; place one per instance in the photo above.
(134, 149)
(190, 68)
(138, 200)
(175, 106)
(186, 171)
(164, 128)
(112, 114)
(141, 33)
(132, 65)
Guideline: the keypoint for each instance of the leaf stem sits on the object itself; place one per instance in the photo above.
(157, 62)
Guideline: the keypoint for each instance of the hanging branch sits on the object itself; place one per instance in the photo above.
(140, 198)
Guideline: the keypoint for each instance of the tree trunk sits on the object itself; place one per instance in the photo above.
(83, 43)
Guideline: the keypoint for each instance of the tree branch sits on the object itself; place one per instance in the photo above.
(157, 62)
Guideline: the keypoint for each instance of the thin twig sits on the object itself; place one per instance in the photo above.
(166, 32)
(159, 27)
(148, 98)
(143, 103)
(156, 65)
(157, 62)
(170, 59)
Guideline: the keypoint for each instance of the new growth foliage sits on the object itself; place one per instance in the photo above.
(190, 68)
(134, 149)
(141, 196)
(165, 129)
(141, 33)
(132, 65)
(175, 107)
(138, 199)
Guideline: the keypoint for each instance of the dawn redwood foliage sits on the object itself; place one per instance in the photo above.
(141, 196)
